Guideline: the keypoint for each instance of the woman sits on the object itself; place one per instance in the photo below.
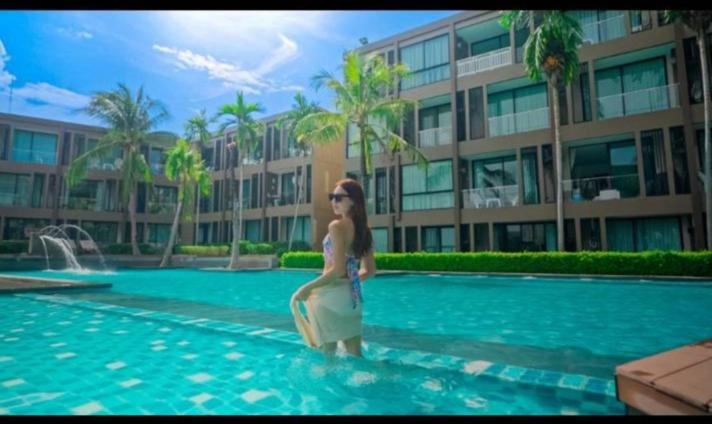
(333, 300)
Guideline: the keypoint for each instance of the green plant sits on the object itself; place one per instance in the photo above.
(601, 263)
(260, 249)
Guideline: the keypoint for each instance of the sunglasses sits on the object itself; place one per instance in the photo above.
(337, 196)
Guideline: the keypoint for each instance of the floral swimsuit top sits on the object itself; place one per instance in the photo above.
(351, 270)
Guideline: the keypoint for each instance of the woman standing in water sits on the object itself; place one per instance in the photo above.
(333, 300)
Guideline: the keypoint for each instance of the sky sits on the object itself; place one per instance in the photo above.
(53, 62)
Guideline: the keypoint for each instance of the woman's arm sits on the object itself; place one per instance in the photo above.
(368, 266)
(337, 269)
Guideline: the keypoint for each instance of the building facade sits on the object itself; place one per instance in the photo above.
(631, 131)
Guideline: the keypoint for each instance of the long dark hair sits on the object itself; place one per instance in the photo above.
(362, 234)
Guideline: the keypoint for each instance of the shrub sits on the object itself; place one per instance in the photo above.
(260, 249)
(14, 246)
(611, 263)
(280, 247)
(214, 250)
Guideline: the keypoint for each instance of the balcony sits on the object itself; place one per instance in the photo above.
(490, 197)
(12, 199)
(416, 202)
(529, 120)
(639, 101)
(34, 156)
(484, 62)
(435, 136)
(83, 203)
(610, 187)
(605, 30)
(107, 165)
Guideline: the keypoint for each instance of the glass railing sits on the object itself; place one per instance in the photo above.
(106, 165)
(519, 122)
(639, 101)
(490, 197)
(84, 203)
(162, 207)
(610, 187)
(426, 76)
(34, 156)
(436, 136)
(484, 62)
(605, 30)
(415, 202)
(12, 199)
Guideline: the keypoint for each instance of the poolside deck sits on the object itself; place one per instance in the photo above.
(13, 284)
(676, 382)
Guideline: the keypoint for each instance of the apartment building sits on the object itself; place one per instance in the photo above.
(34, 156)
(273, 176)
(631, 131)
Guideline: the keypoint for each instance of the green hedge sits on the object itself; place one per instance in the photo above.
(611, 263)
(14, 246)
(246, 248)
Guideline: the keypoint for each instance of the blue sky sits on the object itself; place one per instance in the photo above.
(190, 60)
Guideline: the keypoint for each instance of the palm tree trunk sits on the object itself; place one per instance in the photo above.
(235, 255)
(363, 169)
(300, 190)
(702, 42)
(557, 158)
(132, 217)
(174, 232)
(196, 148)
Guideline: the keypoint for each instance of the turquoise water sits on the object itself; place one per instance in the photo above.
(540, 346)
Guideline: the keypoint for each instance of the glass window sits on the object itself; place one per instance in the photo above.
(159, 233)
(253, 230)
(104, 232)
(642, 234)
(490, 44)
(656, 182)
(438, 239)
(547, 156)
(397, 244)
(582, 95)
(569, 235)
(477, 113)
(464, 237)
(381, 199)
(525, 237)
(411, 239)
(303, 230)
(460, 118)
(482, 242)
(640, 20)
(679, 160)
(427, 189)
(590, 234)
(530, 174)
(4, 140)
(288, 188)
(38, 190)
(427, 61)
(380, 239)
(15, 189)
(19, 228)
(34, 147)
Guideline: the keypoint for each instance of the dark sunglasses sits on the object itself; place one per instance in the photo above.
(337, 196)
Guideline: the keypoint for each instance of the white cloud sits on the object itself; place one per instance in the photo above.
(232, 75)
(6, 77)
(74, 33)
(45, 93)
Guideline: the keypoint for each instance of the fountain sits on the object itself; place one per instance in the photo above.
(57, 236)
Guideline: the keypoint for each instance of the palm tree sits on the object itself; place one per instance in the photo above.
(700, 21)
(247, 131)
(360, 102)
(300, 109)
(183, 163)
(129, 121)
(551, 49)
(196, 130)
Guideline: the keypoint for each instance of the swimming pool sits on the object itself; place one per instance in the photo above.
(209, 342)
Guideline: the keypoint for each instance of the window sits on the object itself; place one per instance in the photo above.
(581, 90)
(604, 166)
(590, 234)
(277, 144)
(482, 242)
(490, 44)
(66, 147)
(4, 140)
(519, 110)
(103, 232)
(601, 25)
(569, 235)
(633, 88)
(139, 232)
(274, 229)
(381, 195)
(163, 200)
(380, 239)
(303, 230)
(532, 237)
(411, 239)
(427, 189)
(520, 37)
(531, 175)
(563, 109)
(288, 189)
(409, 126)
(89, 195)
(34, 147)
(309, 185)
(460, 116)
(465, 237)
(428, 62)
(38, 190)
(159, 233)
(641, 234)
(653, 149)
(397, 243)
(19, 228)
(392, 189)
(438, 239)
(15, 189)
(694, 68)
(216, 195)
(477, 113)
(679, 160)
(495, 180)
(157, 160)
(640, 20)
(547, 157)
(253, 230)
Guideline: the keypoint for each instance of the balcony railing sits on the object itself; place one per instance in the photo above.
(605, 30)
(490, 197)
(639, 101)
(436, 136)
(609, 187)
(33, 156)
(416, 202)
(106, 165)
(84, 203)
(529, 120)
(12, 199)
(484, 62)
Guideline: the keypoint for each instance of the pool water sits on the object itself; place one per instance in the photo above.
(207, 342)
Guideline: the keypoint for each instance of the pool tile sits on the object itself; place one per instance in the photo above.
(14, 382)
(252, 395)
(115, 365)
(201, 398)
(88, 408)
(200, 377)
